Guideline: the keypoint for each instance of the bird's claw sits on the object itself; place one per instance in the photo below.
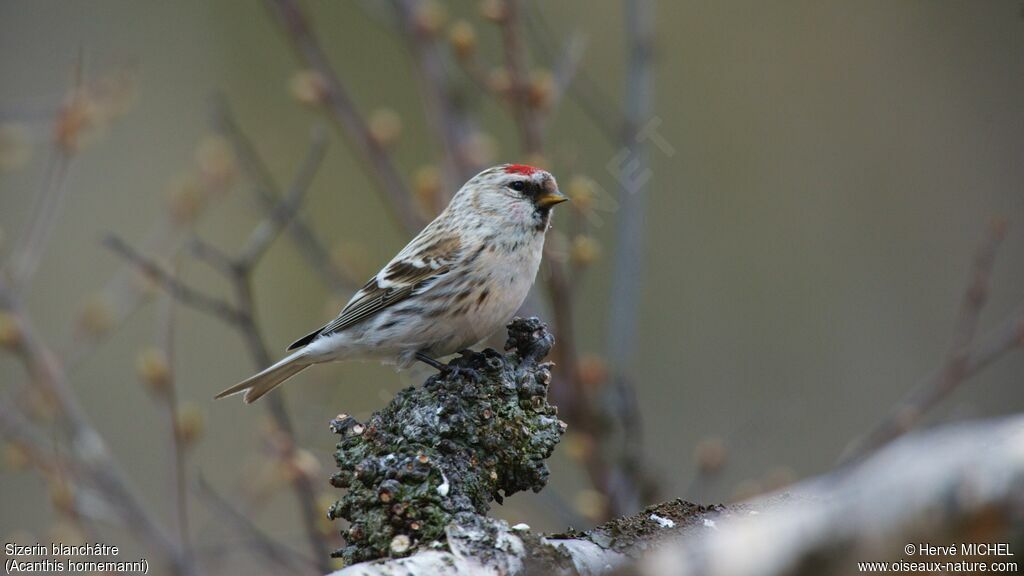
(450, 371)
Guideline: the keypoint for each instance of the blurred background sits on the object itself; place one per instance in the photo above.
(775, 212)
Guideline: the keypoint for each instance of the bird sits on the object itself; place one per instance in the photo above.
(458, 281)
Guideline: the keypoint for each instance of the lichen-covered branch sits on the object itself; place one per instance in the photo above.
(478, 432)
(961, 483)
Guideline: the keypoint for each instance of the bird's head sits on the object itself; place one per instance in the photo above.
(517, 193)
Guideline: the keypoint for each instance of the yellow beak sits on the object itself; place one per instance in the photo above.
(551, 198)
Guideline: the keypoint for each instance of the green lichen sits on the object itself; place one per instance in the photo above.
(468, 436)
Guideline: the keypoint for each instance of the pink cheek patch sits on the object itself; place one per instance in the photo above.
(522, 169)
(515, 209)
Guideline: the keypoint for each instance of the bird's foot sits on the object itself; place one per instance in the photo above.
(449, 370)
(460, 372)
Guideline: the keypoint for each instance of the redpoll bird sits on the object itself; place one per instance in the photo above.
(460, 279)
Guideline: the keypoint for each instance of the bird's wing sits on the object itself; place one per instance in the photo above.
(413, 271)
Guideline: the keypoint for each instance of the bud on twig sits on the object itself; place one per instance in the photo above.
(217, 164)
(494, 10)
(462, 37)
(96, 316)
(154, 371)
(541, 89)
(385, 127)
(185, 199)
(585, 250)
(427, 188)
(10, 330)
(189, 424)
(429, 17)
(308, 87)
(62, 495)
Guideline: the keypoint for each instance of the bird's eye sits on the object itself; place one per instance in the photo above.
(518, 185)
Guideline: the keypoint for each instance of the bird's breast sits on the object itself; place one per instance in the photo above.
(501, 281)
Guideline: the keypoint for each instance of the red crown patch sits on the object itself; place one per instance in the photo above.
(520, 169)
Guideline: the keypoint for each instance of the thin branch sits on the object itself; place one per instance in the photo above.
(241, 316)
(261, 543)
(183, 293)
(629, 247)
(269, 195)
(527, 119)
(626, 292)
(168, 391)
(122, 295)
(601, 108)
(67, 125)
(963, 359)
(212, 256)
(48, 204)
(567, 67)
(445, 118)
(302, 485)
(284, 211)
(343, 112)
(90, 450)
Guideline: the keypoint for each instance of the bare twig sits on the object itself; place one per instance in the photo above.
(67, 124)
(629, 257)
(284, 211)
(599, 107)
(212, 256)
(263, 544)
(567, 67)
(169, 393)
(527, 119)
(185, 294)
(343, 112)
(302, 485)
(963, 358)
(48, 203)
(241, 316)
(446, 119)
(123, 294)
(93, 457)
(268, 193)
(629, 248)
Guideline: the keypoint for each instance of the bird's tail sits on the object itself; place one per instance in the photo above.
(258, 385)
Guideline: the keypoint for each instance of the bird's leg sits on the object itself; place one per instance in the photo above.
(431, 362)
(448, 369)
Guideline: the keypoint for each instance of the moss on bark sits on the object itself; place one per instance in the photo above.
(472, 434)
